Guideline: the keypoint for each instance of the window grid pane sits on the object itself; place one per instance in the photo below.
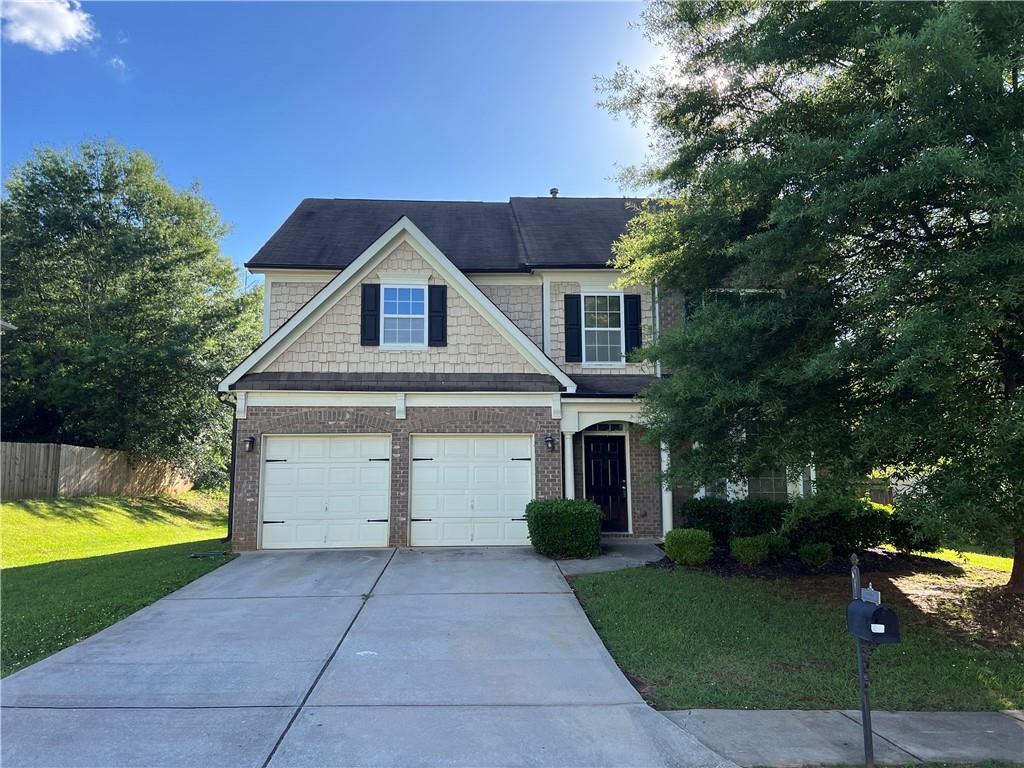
(404, 311)
(602, 329)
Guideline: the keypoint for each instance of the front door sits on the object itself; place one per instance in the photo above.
(605, 469)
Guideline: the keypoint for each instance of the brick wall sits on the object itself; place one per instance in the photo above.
(294, 420)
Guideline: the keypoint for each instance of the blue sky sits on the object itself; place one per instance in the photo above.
(267, 103)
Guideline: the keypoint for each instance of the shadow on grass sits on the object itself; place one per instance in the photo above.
(139, 508)
(49, 606)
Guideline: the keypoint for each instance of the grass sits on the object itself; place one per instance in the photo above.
(698, 640)
(72, 567)
(976, 559)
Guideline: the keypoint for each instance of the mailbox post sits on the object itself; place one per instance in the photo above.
(870, 624)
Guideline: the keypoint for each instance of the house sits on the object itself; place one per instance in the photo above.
(430, 367)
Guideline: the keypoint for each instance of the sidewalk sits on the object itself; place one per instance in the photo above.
(786, 738)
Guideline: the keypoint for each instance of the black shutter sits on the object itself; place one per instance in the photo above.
(369, 329)
(437, 321)
(573, 329)
(634, 333)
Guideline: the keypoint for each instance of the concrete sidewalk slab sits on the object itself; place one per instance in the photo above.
(616, 555)
(302, 573)
(473, 649)
(1016, 714)
(479, 570)
(140, 738)
(782, 738)
(951, 736)
(632, 736)
(193, 653)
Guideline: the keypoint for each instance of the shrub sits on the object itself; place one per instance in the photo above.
(815, 554)
(848, 524)
(907, 535)
(563, 528)
(688, 546)
(750, 550)
(755, 515)
(708, 514)
(778, 545)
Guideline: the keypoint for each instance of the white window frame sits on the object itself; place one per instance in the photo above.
(622, 331)
(426, 314)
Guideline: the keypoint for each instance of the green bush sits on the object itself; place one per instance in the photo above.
(815, 554)
(755, 515)
(848, 524)
(907, 535)
(563, 528)
(750, 550)
(709, 514)
(778, 545)
(688, 546)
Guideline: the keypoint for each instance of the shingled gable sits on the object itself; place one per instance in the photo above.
(322, 301)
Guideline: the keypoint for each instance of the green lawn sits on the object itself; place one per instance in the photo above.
(697, 640)
(74, 566)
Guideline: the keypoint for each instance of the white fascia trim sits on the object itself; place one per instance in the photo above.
(580, 413)
(504, 278)
(296, 275)
(390, 399)
(320, 303)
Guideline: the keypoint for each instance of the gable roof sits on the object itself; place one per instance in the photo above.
(313, 309)
(516, 236)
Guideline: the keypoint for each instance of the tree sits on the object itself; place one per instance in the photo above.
(842, 191)
(127, 312)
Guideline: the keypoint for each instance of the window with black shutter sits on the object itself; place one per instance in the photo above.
(369, 324)
(437, 309)
(573, 328)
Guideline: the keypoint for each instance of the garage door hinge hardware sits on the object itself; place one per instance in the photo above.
(270, 461)
(523, 459)
(272, 522)
(378, 520)
(415, 459)
(378, 459)
(421, 519)
(517, 519)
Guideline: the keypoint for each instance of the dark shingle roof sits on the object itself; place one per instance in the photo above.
(478, 237)
(400, 382)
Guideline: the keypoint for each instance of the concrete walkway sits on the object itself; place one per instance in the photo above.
(783, 738)
(472, 657)
(616, 555)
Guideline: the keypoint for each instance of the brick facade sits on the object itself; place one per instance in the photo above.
(295, 420)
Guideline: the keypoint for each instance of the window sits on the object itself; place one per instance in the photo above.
(769, 484)
(602, 329)
(403, 319)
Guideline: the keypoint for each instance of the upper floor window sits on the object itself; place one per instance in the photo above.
(602, 329)
(403, 315)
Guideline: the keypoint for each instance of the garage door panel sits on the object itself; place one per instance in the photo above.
(324, 489)
(470, 490)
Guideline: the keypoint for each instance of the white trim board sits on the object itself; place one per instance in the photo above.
(321, 302)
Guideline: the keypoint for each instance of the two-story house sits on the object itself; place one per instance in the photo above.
(430, 367)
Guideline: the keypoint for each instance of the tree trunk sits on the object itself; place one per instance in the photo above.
(1016, 585)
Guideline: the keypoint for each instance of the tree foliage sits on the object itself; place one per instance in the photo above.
(843, 193)
(127, 312)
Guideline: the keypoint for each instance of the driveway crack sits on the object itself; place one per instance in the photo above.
(327, 663)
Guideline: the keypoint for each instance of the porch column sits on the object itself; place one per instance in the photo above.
(666, 494)
(568, 469)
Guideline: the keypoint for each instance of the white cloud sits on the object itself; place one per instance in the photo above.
(117, 64)
(49, 26)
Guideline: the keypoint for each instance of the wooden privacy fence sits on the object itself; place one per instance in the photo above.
(47, 470)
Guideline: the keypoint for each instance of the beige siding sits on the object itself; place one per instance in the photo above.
(287, 297)
(558, 292)
(523, 304)
(331, 344)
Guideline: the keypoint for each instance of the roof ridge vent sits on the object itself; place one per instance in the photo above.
(553, 191)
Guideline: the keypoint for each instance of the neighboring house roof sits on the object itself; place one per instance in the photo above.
(519, 235)
(321, 302)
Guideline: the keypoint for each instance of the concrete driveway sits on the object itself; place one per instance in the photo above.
(454, 657)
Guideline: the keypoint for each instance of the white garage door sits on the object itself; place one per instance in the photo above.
(470, 490)
(326, 491)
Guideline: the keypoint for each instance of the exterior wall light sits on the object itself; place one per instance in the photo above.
(250, 443)
(549, 441)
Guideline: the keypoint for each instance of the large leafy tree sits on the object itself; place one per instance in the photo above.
(127, 312)
(843, 197)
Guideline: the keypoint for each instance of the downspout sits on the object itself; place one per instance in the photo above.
(231, 469)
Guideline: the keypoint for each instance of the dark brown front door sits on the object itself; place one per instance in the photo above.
(605, 459)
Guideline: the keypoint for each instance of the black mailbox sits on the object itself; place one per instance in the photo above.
(871, 622)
